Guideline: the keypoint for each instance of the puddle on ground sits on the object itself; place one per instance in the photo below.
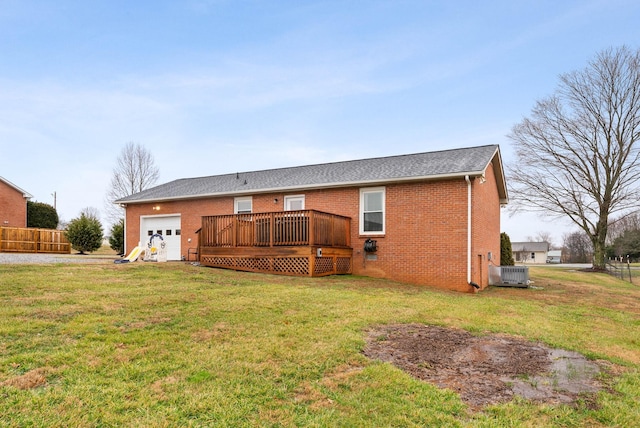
(570, 374)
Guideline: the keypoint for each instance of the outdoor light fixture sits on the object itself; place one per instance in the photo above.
(275, 200)
(156, 208)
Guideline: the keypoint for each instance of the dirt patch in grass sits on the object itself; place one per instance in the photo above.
(485, 369)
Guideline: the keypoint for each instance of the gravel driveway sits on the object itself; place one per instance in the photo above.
(27, 258)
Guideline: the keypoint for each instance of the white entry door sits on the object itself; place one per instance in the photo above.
(168, 227)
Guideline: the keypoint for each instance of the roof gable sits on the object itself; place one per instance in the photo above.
(16, 188)
(420, 166)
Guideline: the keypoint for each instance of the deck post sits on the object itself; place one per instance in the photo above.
(199, 244)
(234, 232)
(271, 229)
(348, 231)
(333, 232)
(312, 229)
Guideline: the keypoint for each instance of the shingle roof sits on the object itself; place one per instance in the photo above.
(529, 246)
(431, 165)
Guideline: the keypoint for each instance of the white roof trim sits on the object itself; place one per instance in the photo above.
(25, 194)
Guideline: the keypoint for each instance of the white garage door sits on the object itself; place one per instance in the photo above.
(167, 226)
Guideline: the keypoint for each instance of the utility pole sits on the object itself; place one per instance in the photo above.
(54, 200)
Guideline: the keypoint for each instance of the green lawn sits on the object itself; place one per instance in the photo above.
(178, 345)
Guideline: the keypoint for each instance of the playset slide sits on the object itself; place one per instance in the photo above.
(132, 257)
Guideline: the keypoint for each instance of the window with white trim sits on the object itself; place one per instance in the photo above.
(242, 205)
(372, 210)
(294, 203)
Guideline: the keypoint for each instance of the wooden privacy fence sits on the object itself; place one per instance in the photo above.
(21, 240)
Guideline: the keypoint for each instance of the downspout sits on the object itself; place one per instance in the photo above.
(473, 284)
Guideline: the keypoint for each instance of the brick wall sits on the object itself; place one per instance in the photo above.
(13, 207)
(426, 228)
(485, 227)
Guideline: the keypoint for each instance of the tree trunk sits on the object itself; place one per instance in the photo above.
(599, 255)
(599, 239)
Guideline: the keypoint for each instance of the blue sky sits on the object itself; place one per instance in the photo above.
(213, 87)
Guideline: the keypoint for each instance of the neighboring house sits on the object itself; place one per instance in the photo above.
(530, 252)
(554, 256)
(426, 218)
(13, 204)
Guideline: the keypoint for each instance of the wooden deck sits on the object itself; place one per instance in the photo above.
(305, 243)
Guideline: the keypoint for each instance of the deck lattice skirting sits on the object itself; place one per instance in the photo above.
(299, 266)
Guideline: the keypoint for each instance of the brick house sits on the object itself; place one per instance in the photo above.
(13, 204)
(427, 218)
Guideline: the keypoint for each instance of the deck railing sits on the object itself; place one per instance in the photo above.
(276, 229)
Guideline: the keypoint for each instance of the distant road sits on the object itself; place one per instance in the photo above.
(560, 265)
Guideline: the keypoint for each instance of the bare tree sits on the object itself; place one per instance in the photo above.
(576, 247)
(620, 225)
(540, 236)
(544, 236)
(90, 212)
(134, 172)
(578, 154)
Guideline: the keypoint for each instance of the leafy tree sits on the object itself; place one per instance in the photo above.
(578, 156)
(41, 215)
(134, 172)
(84, 234)
(506, 251)
(116, 240)
(628, 244)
